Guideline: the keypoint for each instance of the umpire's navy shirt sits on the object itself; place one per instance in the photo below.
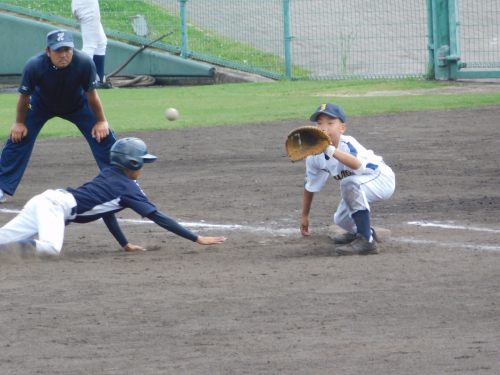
(59, 91)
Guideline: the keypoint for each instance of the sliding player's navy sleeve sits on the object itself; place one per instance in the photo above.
(171, 225)
(114, 228)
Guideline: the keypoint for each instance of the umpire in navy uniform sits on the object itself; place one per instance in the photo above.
(60, 82)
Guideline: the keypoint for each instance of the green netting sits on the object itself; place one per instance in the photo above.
(479, 33)
(329, 39)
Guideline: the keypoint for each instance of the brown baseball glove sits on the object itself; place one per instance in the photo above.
(305, 141)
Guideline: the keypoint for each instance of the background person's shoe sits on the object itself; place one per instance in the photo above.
(360, 246)
(2, 196)
(344, 238)
(104, 85)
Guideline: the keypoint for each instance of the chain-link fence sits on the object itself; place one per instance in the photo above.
(479, 33)
(296, 39)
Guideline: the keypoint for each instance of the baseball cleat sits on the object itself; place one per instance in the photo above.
(344, 238)
(27, 248)
(2, 196)
(24, 249)
(360, 246)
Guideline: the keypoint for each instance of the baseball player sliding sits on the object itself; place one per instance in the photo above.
(60, 82)
(364, 179)
(113, 190)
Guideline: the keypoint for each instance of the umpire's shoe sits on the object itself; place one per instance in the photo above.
(360, 246)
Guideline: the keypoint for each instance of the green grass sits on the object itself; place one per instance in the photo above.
(143, 109)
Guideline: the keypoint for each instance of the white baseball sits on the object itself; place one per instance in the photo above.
(171, 114)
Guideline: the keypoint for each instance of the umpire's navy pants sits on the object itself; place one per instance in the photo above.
(15, 156)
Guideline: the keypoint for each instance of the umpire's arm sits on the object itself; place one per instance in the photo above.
(19, 130)
(101, 128)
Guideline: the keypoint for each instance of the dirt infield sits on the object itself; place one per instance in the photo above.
(269, 301)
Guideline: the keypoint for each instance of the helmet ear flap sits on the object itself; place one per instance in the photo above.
(126, 161)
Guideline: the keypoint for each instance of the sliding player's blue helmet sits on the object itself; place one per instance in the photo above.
(130, 153)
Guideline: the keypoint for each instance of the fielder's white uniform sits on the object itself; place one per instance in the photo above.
(87, 13)
(374, 181)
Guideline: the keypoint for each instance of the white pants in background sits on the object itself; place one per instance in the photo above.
(45, 215)
(87, 13)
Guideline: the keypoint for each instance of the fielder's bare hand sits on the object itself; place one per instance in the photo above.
(130, 247)
(18, 132)
(304, 226)
(210, 240)
(100, 130)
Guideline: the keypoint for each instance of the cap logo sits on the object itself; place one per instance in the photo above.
(322, 108)
(60, 36)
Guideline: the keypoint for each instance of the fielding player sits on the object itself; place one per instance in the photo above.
(113, 190)
(364, 179)
(60, 82)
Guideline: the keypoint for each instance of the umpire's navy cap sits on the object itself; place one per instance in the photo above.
(330, 109)
(60, 38)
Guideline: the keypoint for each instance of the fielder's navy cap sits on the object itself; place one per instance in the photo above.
(330, 109)
(60, 38)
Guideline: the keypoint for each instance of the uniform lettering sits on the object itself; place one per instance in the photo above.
(60, 36)
(343, 174)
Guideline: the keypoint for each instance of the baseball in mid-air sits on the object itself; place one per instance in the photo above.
(171, 114)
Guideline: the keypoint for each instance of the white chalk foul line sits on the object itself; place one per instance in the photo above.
(200, 225)
(194, 225)
(445, 244)
(7, 211)
(285, 231)
(450, 226)
(204, 225)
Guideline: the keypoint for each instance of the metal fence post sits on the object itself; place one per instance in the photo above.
(441, 32)
(184, 39)
(430, 40)
(454, 57)
(288, 37)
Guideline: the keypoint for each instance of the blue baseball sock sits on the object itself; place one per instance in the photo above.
(362, 220)
(99, 66)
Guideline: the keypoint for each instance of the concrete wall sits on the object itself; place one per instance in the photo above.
(21, 38)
